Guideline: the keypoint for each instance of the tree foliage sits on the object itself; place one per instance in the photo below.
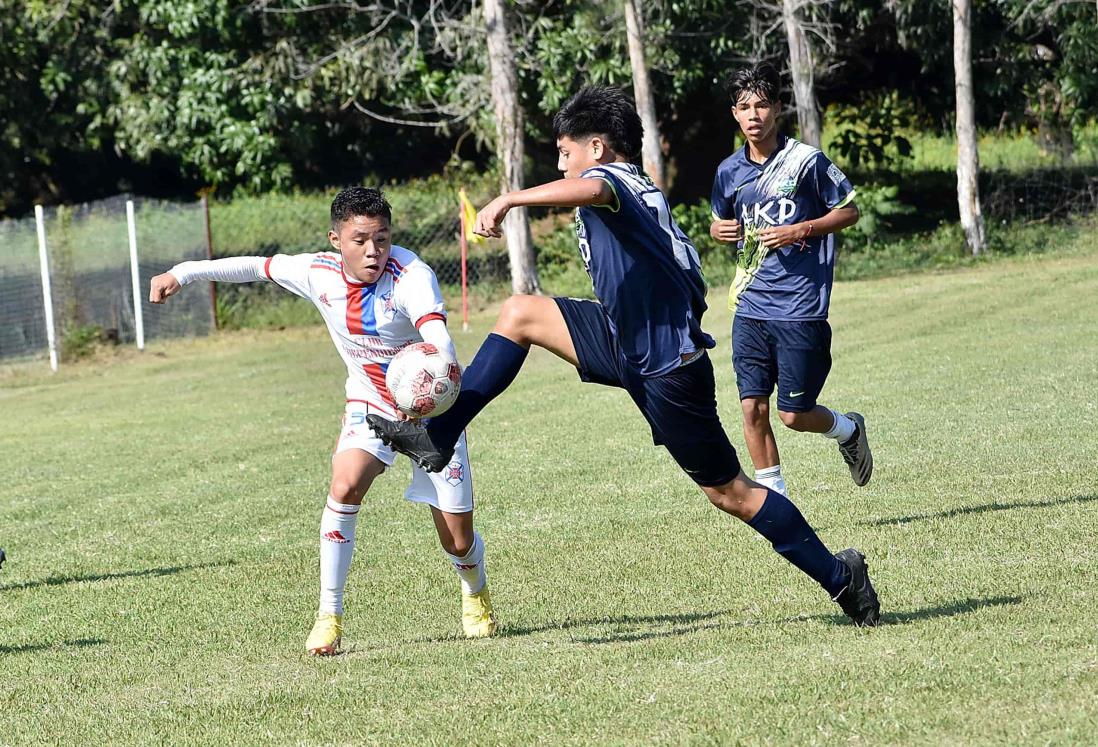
(277, 94)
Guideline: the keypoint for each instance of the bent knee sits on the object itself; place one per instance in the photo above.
(455, 546)
(732, 499)
(755, 411)
(346, 491)
(516, 316)
(793, 420)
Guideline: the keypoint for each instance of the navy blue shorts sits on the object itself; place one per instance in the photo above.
(680, 406)
(795, 356)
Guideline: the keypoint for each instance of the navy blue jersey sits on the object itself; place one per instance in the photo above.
(797, 183)
(645, 272)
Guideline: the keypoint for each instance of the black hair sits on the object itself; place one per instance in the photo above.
(762, 79)
(605, 111)
(354, 201)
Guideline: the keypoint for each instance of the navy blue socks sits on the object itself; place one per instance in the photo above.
(780, 522)
(494, 367)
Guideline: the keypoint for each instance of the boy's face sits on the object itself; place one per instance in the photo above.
(576, 156)
(756, 116)
(364, 241)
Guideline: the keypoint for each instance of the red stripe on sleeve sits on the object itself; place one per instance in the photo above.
(428, 317)
(267, 268)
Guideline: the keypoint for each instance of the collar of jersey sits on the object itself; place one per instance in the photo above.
(782, 141)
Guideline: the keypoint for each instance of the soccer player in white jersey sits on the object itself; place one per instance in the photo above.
(375, 298)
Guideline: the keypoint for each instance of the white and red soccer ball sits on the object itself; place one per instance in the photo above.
(423, 380)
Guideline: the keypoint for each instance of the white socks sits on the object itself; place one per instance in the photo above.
(471, 567)
(771, 477)
(842, 429)
(337, 544)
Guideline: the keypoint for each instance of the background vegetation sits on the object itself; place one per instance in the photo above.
(164, 98)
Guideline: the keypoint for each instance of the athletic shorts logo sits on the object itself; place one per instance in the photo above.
(796, 394)
(335, 536)
(324, 300)
(455, 473)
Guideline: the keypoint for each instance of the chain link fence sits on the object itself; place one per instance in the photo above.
(90, 276)
(89, 262)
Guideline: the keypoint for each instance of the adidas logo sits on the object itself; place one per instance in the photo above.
(335, 536)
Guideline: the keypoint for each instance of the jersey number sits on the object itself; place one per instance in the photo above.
(685, 253)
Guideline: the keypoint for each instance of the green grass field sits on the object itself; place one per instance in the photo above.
(160, 514)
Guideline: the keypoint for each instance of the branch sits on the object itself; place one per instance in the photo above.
(409, 122)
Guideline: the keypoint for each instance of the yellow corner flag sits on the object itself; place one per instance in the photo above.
(469, 218)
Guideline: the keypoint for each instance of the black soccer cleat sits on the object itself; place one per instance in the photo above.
(3, 557)
(856, 452)
(412, 440)
(859, 598)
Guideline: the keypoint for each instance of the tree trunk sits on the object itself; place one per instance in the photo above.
(509, 145)
(800, 67)
(651, 155)
(968, 159)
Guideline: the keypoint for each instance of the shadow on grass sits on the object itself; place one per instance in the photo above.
(641, 626)
(148, 572)
(985, 508)
(950, 609)
(30, 647)
(685, 623)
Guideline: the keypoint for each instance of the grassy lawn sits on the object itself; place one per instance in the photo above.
(160, 514)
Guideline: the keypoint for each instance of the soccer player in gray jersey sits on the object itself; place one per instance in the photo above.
(781, 201)
(644, 336)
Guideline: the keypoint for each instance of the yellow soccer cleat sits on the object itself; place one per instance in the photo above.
(477, 618)
(326, 634)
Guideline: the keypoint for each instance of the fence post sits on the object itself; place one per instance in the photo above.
(210, 255)
(47, 294)
(135, 277)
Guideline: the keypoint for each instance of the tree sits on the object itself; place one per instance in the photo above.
(651, 154)
(801, 69)
(968, 159)
(510, 149)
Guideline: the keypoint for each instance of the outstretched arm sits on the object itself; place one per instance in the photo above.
(228, 270)
(577, 192)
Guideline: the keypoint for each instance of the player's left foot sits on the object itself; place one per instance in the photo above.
(412, 440)
(859, 598)
(856, 452)
(326, 635)
(3, 557)
(477, 618)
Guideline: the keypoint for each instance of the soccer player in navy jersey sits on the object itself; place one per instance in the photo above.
(643, 335)
(782, 201)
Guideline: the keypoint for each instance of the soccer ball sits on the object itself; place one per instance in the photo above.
(423, 380)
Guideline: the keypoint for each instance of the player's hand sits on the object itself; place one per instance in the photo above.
(726, 231)
(162, 287)
(490, 218)
(776, 237)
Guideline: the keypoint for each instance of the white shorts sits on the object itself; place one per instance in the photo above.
(450, 490)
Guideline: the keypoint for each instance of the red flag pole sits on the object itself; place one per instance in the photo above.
(464, 273)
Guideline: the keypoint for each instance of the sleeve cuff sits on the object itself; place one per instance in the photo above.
(428, 317)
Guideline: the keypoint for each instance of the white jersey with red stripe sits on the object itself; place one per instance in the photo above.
(369, 323)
